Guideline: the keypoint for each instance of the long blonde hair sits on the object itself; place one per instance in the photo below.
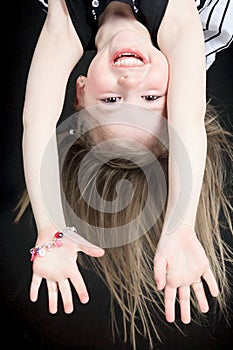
(128, 269)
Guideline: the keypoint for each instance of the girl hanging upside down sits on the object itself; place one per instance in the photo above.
(152, 56)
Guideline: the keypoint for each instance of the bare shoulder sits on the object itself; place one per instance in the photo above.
(181, 16)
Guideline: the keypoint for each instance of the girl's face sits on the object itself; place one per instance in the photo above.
(128, 71)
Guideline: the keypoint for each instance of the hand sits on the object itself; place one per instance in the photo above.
(180, 262)
(59, 268)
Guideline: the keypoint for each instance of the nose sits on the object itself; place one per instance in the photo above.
(130, 80)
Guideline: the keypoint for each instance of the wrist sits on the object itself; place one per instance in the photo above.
(180, 227)
(45, 233)
(50, 237)
(41, 249)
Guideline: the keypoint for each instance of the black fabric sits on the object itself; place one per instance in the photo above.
(85, 17)
(202, 2)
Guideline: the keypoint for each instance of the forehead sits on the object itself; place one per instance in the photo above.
(126, 121)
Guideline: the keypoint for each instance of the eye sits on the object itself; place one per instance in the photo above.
(110, 100)
(150, 98)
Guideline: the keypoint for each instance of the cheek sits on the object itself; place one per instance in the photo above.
(164, 70)
(161, 69)
(97, 71)
(165, 78)
(93, 76)
(97, 82)
(162, 77)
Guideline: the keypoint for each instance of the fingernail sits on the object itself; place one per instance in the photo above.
(85, 300)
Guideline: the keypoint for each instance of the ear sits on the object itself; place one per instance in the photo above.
(80, 91)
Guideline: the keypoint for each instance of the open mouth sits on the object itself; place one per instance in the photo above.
(128, 59)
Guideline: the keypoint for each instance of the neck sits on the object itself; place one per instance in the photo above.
(117, 16)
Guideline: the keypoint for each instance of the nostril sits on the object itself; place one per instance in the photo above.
(127, 79)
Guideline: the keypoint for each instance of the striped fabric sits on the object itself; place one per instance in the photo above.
(217, 22)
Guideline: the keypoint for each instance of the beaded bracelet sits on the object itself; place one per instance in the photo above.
(41, 249)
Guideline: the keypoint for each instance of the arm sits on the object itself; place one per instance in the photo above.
(183, 44)
(57, 51)
(186, 98)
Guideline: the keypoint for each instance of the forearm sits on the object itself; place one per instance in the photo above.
(185, 177)
(186, 113)
(35, 141)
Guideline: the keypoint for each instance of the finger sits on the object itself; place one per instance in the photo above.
(211, 282)
(184, 299)
(160, 269)
(201, 297)
(66, 295)
(53, 296)
(35, 285)
(169, 302)
(80, 287)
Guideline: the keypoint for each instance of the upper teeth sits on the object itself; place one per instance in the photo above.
(128, 54)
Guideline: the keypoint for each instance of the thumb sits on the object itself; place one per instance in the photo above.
(92, 250)
(89, 248)
(82, 244)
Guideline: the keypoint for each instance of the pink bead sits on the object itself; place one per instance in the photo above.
(58, 243)
(33, 255)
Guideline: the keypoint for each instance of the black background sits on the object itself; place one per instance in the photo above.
(28, 324)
